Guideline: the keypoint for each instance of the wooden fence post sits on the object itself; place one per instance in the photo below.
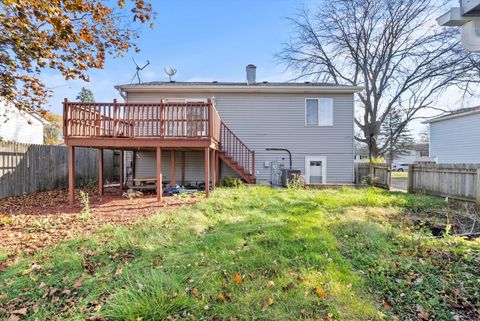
(410, 188)
(478, 185)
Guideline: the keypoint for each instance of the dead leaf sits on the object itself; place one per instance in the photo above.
(78, 283)
(22, 311)
(320, 293)
(270, 284)
(118, 271)
(386, 305)
(237, 278)
(422, 314)
(14, 317)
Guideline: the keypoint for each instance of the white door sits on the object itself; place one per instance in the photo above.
(315, 169)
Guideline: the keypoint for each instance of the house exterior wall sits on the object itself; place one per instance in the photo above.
(19, 126)
(456, 140)
(278, 121)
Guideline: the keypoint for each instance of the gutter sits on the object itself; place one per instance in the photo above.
(236, 89)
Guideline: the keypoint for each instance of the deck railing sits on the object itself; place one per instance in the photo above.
(186, 120)
(237, 150)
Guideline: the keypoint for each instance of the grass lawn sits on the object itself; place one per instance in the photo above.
(256, 254)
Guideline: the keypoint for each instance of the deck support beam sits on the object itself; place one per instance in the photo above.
(183, 168)
(121, 178)
(173, 179)
(71, 175)
(217, 164)
(213, 170)
(100, 172)
(159, 175)
(207, 172)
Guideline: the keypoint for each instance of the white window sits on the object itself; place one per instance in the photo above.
(319, 112)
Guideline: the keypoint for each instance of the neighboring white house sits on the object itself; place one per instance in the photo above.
(455, 138)
(416, 153)
(19, 126)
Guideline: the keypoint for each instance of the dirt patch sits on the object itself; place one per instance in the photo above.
(35, 221)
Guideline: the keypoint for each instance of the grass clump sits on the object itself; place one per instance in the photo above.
(260, 254)
(229, 181)
(85, 200)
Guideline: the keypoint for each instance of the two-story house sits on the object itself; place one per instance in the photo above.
(243, 123)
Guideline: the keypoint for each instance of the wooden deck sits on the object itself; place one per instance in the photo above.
(155, 126)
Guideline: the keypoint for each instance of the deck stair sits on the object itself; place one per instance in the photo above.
(236, 154)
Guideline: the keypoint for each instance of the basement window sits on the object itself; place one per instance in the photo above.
(319, 112)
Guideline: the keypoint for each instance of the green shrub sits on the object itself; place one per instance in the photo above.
(228, 181)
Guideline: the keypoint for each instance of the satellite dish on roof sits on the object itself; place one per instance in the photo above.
(170, 71)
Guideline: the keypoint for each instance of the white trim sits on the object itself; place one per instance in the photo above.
(318, 111)
(441, 118)
(323, 159)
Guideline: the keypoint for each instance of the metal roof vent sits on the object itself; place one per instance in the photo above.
(251, 74)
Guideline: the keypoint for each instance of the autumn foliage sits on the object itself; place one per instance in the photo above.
(70, 36)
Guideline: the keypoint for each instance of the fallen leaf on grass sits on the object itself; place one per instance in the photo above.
(237, 278)
(77, 284)
(422, 314)
(22, 311)
(267, 303)
(320, 293)
(14, 317)
(118, 271)
(386, 305)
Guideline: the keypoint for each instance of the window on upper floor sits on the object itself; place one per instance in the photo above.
(319, 112)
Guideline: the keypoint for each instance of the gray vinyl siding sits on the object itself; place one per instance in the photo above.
(456, 140)
(278, 121)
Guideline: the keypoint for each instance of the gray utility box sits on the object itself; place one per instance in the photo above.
(288, 174)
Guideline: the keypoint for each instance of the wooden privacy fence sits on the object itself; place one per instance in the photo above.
(378, 175)
(458, 181)
(28, 168)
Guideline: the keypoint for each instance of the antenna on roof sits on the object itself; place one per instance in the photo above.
(138, 69)
(170, 71)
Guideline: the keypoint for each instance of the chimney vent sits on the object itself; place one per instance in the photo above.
(251, 74)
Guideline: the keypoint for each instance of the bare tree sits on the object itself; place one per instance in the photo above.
(393, 48)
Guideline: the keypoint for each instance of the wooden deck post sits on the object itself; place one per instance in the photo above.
(71, 175)
(217, 167)
(159, 175)
(121, 176)
(134, 164)
(100, 171)
(207, 171)
(213, 169)
(173, 180)
(183, 168)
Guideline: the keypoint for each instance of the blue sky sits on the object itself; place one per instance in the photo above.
(208, 40)
(204, 40)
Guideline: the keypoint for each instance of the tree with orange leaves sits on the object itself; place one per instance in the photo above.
(70, 36)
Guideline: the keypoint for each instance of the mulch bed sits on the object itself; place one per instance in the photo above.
(32, 222)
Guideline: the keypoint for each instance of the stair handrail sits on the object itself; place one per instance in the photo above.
(236, 149)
